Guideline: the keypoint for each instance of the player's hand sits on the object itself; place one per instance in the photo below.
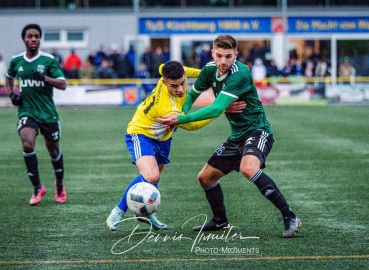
(37, 76)
(170, 128)
(236, 107)
(170, 120)
(15, 98)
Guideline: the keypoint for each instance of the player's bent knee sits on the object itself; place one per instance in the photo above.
(154, 178)
(28, 147)
(248, 172)
(206, 181)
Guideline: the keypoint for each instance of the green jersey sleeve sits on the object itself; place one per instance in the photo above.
(190, 99)
(214, 110)
(55, 71)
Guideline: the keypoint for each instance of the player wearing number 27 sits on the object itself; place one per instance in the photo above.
(38, 73)
(250, 140)
(148, 141)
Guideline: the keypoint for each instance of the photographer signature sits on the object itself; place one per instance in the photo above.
(149, 236)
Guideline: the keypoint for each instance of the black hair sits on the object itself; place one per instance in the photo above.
(173, 70)
(31, 26)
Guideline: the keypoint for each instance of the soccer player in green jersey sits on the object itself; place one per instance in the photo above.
(37, 73)
(250, 140)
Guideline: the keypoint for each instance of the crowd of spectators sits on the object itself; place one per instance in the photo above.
(115, 63)
(110, 63)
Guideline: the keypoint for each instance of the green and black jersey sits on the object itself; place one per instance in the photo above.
(37, 96)
(238, 85)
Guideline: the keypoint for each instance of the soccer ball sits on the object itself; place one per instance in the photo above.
(143, 199)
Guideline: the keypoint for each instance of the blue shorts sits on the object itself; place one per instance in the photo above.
(139, 145)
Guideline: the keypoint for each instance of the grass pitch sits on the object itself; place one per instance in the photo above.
(320, 162)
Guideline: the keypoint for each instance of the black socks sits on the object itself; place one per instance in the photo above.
(214, 195)
(59, 171)
(270, 190)
(32, 169)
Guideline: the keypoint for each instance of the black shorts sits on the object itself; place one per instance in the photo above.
(228, 156)
(51, 131)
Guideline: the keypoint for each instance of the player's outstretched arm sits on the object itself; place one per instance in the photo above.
(190, 99)
(218, 107)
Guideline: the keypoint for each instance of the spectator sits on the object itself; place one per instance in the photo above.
(185, 59)
(194, 59)
(166, 53)
(158, 59)
(147, 58)
(309, 69)
(357, 61)
(125, 67)
(91, 57)
(131, 55)
(105, 71)
(287, 69)
(99, 56)
(321, 68)
(298, 68)
(205, 55)
(346, 70)
(72, 64)
(257, 51)
(3, 70)
(272, 69)
(57, 56)
(143, 73)
(87, 71)
(112, 56)
(258, 71)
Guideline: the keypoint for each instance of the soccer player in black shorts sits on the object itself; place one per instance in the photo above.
(251, 137)
(38, 73)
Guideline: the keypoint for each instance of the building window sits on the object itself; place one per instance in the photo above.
(52, 36)
(75, 36)
(65, 38)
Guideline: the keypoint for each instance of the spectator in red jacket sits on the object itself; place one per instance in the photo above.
(72, 64)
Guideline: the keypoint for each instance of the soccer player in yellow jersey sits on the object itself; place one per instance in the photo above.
(148, 141)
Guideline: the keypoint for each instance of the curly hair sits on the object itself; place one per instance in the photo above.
(31, 26)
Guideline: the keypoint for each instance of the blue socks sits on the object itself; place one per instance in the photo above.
(123, 202)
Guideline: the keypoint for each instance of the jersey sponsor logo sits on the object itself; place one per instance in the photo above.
(20, 69)
(41, 68)
(31, 83)
(214, 84)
